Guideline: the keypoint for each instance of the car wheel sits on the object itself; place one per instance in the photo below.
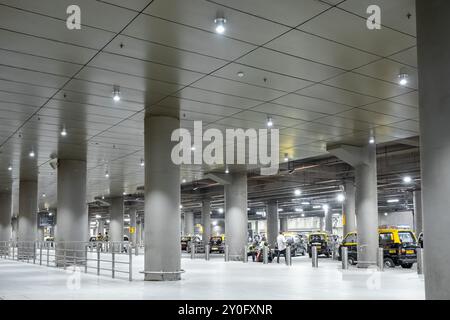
(389, 263)
(407, 265)
(351, 261)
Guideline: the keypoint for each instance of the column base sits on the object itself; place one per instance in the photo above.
(162, 276)
(235, 258)
(365, 265)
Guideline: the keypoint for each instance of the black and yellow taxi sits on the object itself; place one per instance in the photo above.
(217, 244)
(320, 240)
(187, 240)
(399, 246)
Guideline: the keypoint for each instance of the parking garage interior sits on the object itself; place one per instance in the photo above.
(109, 189)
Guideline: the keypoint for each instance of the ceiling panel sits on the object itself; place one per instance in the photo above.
(288, 65)
(410, 99)
(351, 30)
(407, 57)
(348, 123)
(337, 95)
(317, 49)
(311, 104)
(295, 113)
(261, 78)
(201, 14)
(368, 86)
(31, 77)
(288, 12)
(195, 106)
(393, 109)
(50, 28)
(183, 37)
(369, 116)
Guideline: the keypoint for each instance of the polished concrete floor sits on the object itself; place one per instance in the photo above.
(214, 279)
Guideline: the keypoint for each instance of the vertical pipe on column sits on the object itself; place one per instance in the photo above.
(236, 218)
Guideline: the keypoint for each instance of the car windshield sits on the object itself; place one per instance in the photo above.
(316, 237)
(216, 240)
(406, 237)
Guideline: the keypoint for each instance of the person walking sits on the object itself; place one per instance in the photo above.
(281, 245)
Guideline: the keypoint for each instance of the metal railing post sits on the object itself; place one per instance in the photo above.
(245, 257)
(419, 253)
(344, 257)
(40, 254)
(265, 255)
(85, 258)
(288, 256)
(227, 253)
(130, 265)
(65, 253)
(113, 263)
(315, 260)
(207, 252)
(98, 260)
(14, 249)
(380, 259)
(48, 255)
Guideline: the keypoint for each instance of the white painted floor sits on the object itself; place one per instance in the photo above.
(214, 279)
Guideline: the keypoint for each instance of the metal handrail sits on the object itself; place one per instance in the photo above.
(64, 253)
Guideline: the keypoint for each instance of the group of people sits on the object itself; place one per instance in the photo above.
(259, 242)
(101, 237)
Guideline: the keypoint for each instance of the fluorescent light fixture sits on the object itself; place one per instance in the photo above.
(393, 200)
(305, 203)
(108, 221)
(98, 216)
(317, 207)
(297, 192)
(220, 210)
(220, 25)
(325, 207)
(298, 210)
(280, 209)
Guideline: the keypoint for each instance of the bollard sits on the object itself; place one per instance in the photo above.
(245, 254)
(130, 265)
(207, 252)
(265, 255)
(34, 252)
(288, 256)
(227, 254)
(344, 258)
(40, 254)
(98, 260)
(192, 250)
(113, 263)
(136, 249)
(419, 253)
(48, 256)
(85, 259)
(315, 260)
(380, 259)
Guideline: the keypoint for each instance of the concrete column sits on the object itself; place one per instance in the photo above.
(322, 223)
(236, 218)
(433, 46)
(189, 223)
(272, 222)
(349, 208)
(27, 224)
(328, 221)
(417, 198)
(367, 208)
(5, 216)
(162, 199)
(138, 230)
(133, 211)
(101, 226)
(72, 215)
(116, 220)
(206, 220)
(283, 224)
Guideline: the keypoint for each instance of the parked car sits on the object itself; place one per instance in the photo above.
(399, 246)
(187, 240)
(296, 243)
(420, 240)
(322, 241)
(217, 244)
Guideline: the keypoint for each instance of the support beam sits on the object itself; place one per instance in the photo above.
(272, 222)
(349, 207)
(162, 199)
(116, 220)
(206, 220)
(236, 218)
(433, 46)
(27, 224)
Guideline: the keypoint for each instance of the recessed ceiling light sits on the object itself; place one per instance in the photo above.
(193, 148)
(325, 207)
(181, 206)
(220, 210)
(280, 209)
(183, 181)
(340, 197)
(269, 122)
(297, 192)
(103, 197)
(142, 162)
(116, 94)
(9, 168)
(107, 174)
(305, 203)
(64, 132)
(44, 195)
(403, 79)
(98, 216)
(303, 214)
(298, 210)
(31, 154)
(227, 171)
(240, 74)
(124, 193)
(371, 140)
(220, 25)
(407, 179)
(286, 157)
(317, 207)
(385, 213)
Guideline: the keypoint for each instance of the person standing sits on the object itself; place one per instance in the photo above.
(281, 244)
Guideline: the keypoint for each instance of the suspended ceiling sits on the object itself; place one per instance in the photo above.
(311, 65)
